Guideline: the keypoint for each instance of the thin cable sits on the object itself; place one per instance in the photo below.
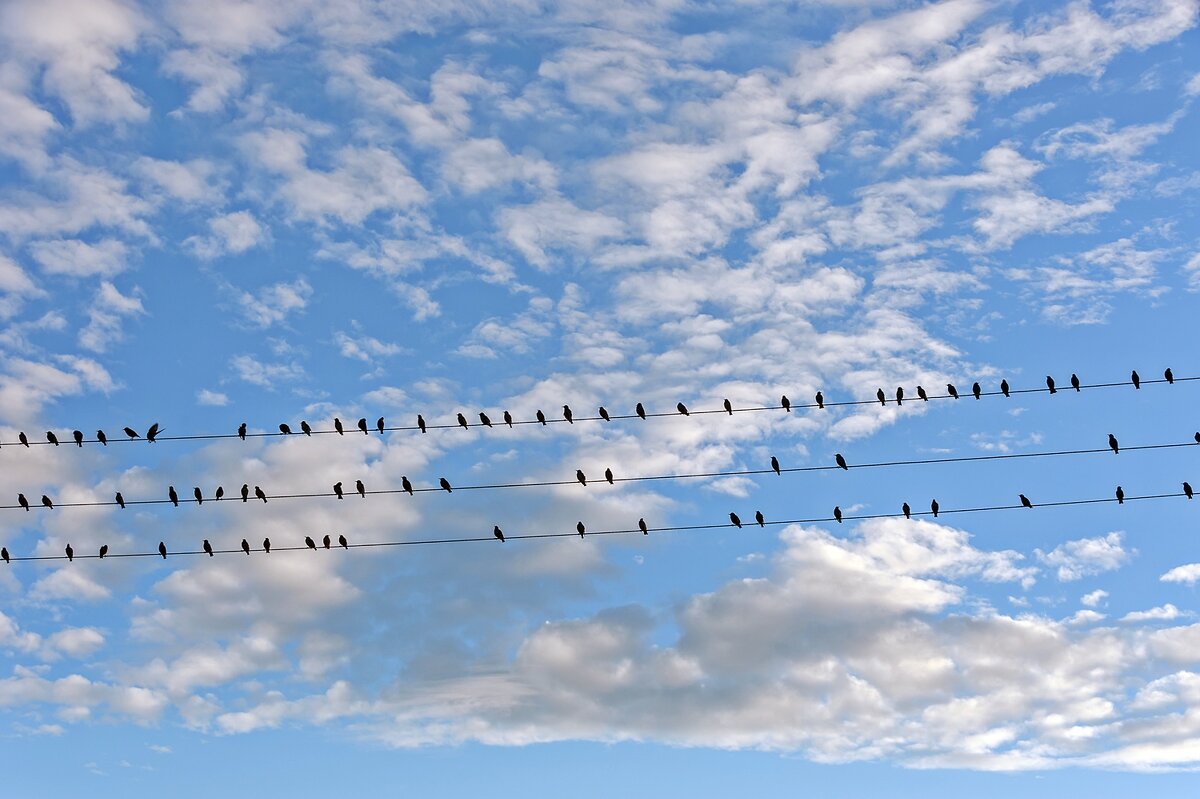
(636, 479)
(67, 441)
(630, 531)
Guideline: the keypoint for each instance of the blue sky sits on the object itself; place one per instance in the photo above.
(246, 211)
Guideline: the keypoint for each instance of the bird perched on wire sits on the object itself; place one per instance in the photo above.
(640, 411)
(152, 433)
(343, 542)
(820, 398)
(445, 484)
(173, 496)
(508, 418)
(679, 406)
(220, 494)
(242, 431)
(53, 439)
(1187, 489)
(337, 425)
(308, 542)
(362, 425)
(78, 436)
(1004, 387)
(246, 546)
(23, 502)
(879, 395)
(837, 513)
(841, 461)
(283, 428)
(786, 403)
(129, 431)
(162, 549)
(921, 394)
(608, 475)
(258, 492)
(899, 395)
(199, 495)
(245, 491)
(421, 423)
(407, 486)
(327, 541)
(604, 414)
(337, 490)
(498, 533)
(933, 506)
(579, 528)
(1112, 444)
(568, 415)
(758, 517)
(907, 510)
(1133, 378)
(267, 546)
(1120, 496)
(120, 500)
(976, 389)
(541, 417)
(581, 477)
(70, 553)
(728, 407)
(1075, 382)
(951, 390)
(1025, 501)
(775, 464)
(24, 439)
(305, 427)
(483, 418)
(642, 526)
(362, 489)
(379, 425)
(1050, 384)
(46, 502)
(4, 554)
(1169, 376)
(103, 439)
(737, 522)
(462, 421)
(208, 550)
(103, 551)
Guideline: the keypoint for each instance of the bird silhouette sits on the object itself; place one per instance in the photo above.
(508, 418)
(1050, 384)
(1197, 437)
(103, 551)
(379, 425)
(245, 491)
(103, 439)
(337, 489)
(579, 528)
(283, 428)
(1187, 489)
(775, 464)
(24, 503)
(327, 541)
(24, 439)
(342, 542)
(246, 546)
(976, 389)
(362, 489)
(120, 500)
(78, 436)
(758, 517)
(1169, 376)
(921, 394)
(933, 506)
(1004, 387)
(162, 549)
(267, 546)
(242, 431)
(337, 425)
(220, 494)
(199, 495)
(407, 486)
(580, 476)
(173, 496)
(733, 517)
(53, 439)
(421, 423)
(728, 407)
(604, 414)
(496, 531)
(907, 510)
(640, 411)
(820, 398)
(608, 475)
(4, 554)
(46, 502)
(567, 414)
(1120, 496)
(879, 395)
(786, 403)
(208, 550)
(70, 553)
(258, 492)
(362, 425)
(1075, 381)
(951, 390)
(1025, 501)
(483, 417)
(1137, 381)
(679, 406)
(541, 417)
(837, 513)
(899, 395)
(152, 433)
(129, 431)
(305, 427)
(462, 421)
(1112, 444)
(308, 542)
(841, 461)
(444, 483)
(642, 526)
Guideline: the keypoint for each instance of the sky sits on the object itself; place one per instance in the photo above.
(257, 212)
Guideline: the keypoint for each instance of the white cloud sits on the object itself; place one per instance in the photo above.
(1188, 573)
(1167, 612)
(211, 398)
(186, 181)
(1094, 598)
(273, 304)
(1082, 557)
(229, 233)
(108, 309)
(364, 348)
(267, 375)
(105, 258)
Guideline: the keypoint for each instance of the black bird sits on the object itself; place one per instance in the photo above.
(976, 389)
(129, 431)
(174, 497)
(1050, 384)
(310, 543)
(152, 432)
(608, 475)
(78, 436)
(1112, 444)
(758, 517)
(283, 428)
(841, 461)
(642, 527)
(343, 542)
(245, 491)
(580, 476)
(728, 407)
(103, 550)
(1075, 381)
(1120, 496)
(899, 395)
(508, 418)
(337, 489)
(120, 500)
(406, 485)
(641, 412)
(305, 427)
(103, 439)
(775, 464)
(579, 528)
(1187, 489)
(879, 395)
(444, 483)
(786, 403)
(24, 503)
(24, 439)
(820, 398)
(1137, 381)
(258, 492)
(733, 517)
(567, 414)
(1025, 501)
(70, 553)
(208, 550)
(46, 502)
(242, 431)
(1004, 387)
(267, 545)
(1197, 437)
(462, 421)
(951, 390)
(922, 395)
(837, 513)
(541, 417)
(679, 406)
(1170, 376)
(483, 417)
(327, 541)
(496, 531)
(4, 554)
(604, 414)
(362, 425)
(421, 423)
(162, 550)
(53, 439)
(362, 489)
(246, 546)
(907, 510)
(220, 493)
(199, 495)
(933, 506)
(379, 425)
(337, 425)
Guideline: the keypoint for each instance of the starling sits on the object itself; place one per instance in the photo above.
(337, 490)
(951, 390)
(46, 502)
(343, 542)
(308, 542)
(283, 428)
(775, 464)
(642, 527)
(406, 485)
(728, 407)
(1025, 501)
(305, 427)
(103, 551)
(245, 491)
(362, 425)
(1075, 381)
(786, 403)
(976, 389)
(220, 494)
(541, 417)
(379, 425)
(129, 431)
(508, 418)
(837, 514)
(496, 531)
(258, 492)
(162, 550)
(173, 496)
(679, 406)
(641, 412)
(103, 439)
(604, 414)
(4, 554)
(445, 484)
(1187, 489)
(327, 541)
(1112, 444)
(362, 489)
(483, 417)
(567, 414)
(53, 439)
(242, 431)
(120, 500)
(820, 398)
(579, 528)
(24, 503)
(1004, 387)
(899, 395)
(1120, 496)
(879, 395)
(267, 545)
(337, 425)
(733, 517)
(421, 423)
(922, 395)
(208, 550)
(1137, 381)
(78, 436)
(152, 433)
(462, 421)
(1169, 376)
(1050, 384)
(608, 475)
(70, 553)
(933, 506)
(841, 461)
(24, 439)
(758, 517)
(199, 495)
(581, 477)
(907, 510)
(246, 546)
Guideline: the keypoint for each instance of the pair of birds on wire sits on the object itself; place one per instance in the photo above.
(1187, 492)
(24, 502)
(77, 435)
(362, 488)
(307, 430)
